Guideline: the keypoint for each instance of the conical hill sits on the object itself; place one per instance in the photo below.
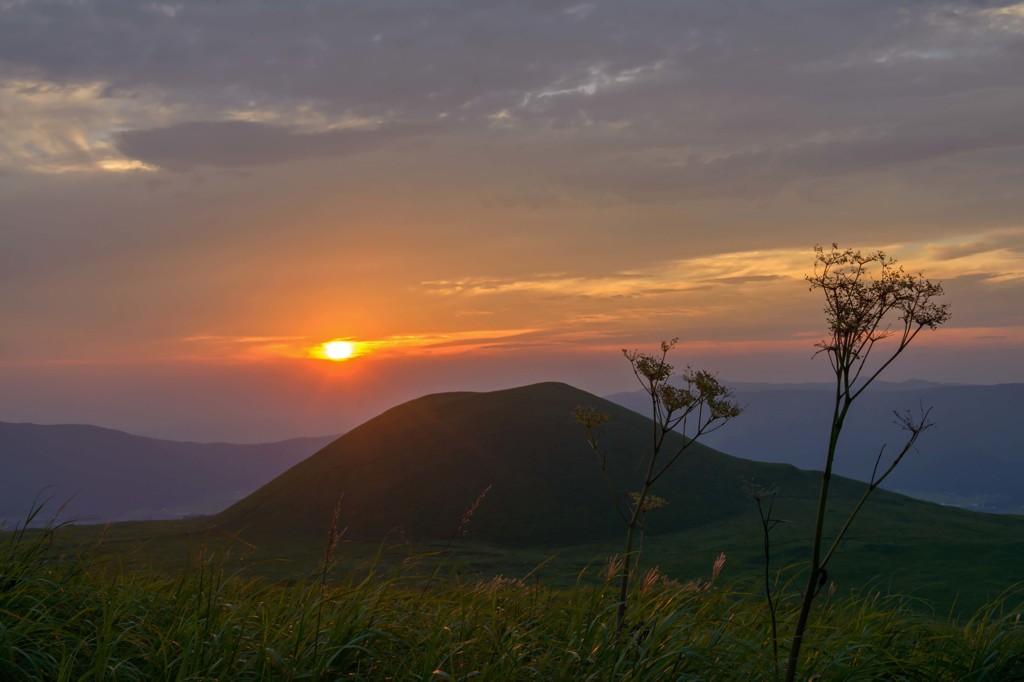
(421, 466)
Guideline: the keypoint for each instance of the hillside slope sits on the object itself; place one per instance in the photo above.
(420, 466)
(973, 457)
(106, 475)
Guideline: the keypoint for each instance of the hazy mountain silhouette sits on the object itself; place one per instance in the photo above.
(421, 465)
(973, 457)
(106, 475)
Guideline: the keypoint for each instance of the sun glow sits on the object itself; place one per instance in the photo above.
(338, 350)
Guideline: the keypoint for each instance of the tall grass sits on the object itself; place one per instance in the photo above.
(64, 616)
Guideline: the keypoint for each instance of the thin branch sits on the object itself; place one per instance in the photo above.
(916, 428)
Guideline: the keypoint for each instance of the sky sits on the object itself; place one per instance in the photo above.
(195, 195)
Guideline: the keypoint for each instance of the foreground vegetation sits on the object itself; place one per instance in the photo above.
(66, 616)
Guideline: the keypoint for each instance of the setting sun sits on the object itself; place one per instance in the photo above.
(338, 350)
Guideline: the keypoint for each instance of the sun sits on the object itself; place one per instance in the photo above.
(338, 350)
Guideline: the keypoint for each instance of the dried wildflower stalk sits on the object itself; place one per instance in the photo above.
(868, 299)
(701, 405)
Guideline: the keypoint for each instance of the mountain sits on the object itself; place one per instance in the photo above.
(421, 465)
(107, 475)
(973, 457)
(506, 480)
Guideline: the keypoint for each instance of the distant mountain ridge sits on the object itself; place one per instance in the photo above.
(973, 457)
(107, 475)
(909, 384)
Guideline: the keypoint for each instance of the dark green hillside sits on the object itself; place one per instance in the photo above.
(419, 466)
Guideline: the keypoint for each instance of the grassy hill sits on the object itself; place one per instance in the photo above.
(419, 466)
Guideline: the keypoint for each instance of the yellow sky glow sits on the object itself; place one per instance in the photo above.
(736, 301)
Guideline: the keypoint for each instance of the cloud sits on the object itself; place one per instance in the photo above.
(54, 128)
(995, 256)
(769, 170)
(747, 279)
(687, 94)
(246, 143)
(665, 278)
(613, 164)
(471, 59)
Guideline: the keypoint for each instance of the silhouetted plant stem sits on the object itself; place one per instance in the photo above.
(702, 402)
(627, 560)
(635, 521)
(861, 293)
(333, 536)
(814, 574)
(761, 496)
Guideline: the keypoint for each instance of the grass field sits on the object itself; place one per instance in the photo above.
(163, 601)
(953, 560)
